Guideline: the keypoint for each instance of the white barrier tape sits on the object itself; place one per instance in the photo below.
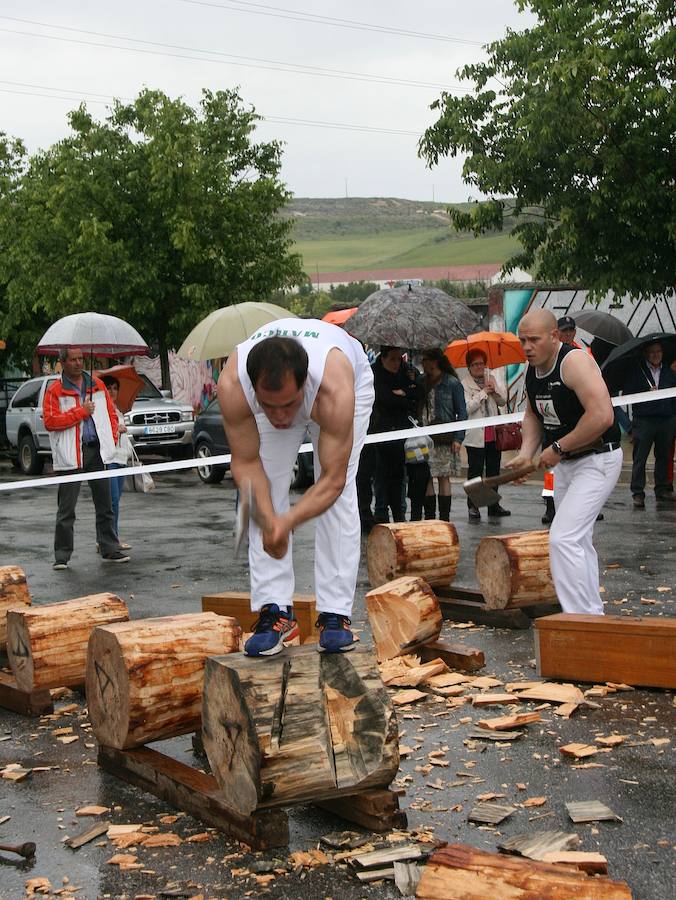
(376, 438)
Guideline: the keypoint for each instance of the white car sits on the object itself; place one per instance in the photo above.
(155, 423)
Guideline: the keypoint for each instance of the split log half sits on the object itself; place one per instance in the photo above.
(145, 678)
(404, 614)
(429, 549)
(13, 593)
(302, 726)
(513, 570)
(462, 871)
(47, 645)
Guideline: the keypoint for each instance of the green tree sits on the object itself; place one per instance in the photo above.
(158, 214)
(574, 117)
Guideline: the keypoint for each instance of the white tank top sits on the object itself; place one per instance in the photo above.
(318, 338)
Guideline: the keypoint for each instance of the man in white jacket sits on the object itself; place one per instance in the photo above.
(82, 424)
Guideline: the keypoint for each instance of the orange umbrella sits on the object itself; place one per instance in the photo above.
(340, 316)
(502, 348)
(130, 384)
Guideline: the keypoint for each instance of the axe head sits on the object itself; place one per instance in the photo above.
(480, 493)
(245, 509)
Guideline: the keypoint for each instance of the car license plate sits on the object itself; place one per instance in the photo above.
(159, 429)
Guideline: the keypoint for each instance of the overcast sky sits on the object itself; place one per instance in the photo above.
(46, 69)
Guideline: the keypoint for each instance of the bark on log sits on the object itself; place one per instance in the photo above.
(462, 871)
(513, 570)
(47, 645)
(428, 549)
(299, 727)
(13, 592)
(404, 614)
(144, 678)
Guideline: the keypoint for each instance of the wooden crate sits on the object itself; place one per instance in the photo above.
(640, 651)
(238, 604)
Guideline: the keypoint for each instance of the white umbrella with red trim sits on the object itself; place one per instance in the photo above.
(94, 333)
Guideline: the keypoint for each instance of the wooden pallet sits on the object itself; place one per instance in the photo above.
(26, 703)
(468, 605)
(197, 793)
(238, 604)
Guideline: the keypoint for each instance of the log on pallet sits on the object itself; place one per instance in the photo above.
(513, 570)
(144, 678)
(428, 549)
(461, 871)
(238, 605)
(640, 651)
(47, 645)
(13, 592)
(404, 614)
(302, 727)
(462, 604)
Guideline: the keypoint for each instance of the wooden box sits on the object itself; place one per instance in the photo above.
(238, 604)
(640, 651)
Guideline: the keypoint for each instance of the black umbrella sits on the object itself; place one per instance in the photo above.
(418, 318)
(603, 325)
(616, 367)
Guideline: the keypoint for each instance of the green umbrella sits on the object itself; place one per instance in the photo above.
(223, 329)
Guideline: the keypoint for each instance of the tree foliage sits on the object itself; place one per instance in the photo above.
(159, 214)
(574, 118)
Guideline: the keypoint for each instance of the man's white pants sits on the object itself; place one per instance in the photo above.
(337, 531)
(581, 487)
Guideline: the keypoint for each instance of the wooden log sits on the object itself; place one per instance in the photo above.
(26, 703)
(404, 614)
(513, 570)
(462, 871)
(144, 678)
(238, 604)
(303, 726)
(428, 549)
(454, 654)
(635, 651)
(13, 592)
(47, 645)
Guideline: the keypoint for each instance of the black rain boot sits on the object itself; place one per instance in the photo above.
(445, 508)
(416, 511)
(550, 512)
(496, 511)
(430, 506)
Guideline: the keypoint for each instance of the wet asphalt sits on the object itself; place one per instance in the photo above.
(181, 536)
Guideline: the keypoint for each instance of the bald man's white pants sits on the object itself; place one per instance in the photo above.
(337, 531)
(581, 487)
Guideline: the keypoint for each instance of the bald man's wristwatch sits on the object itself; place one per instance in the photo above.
(557, 448)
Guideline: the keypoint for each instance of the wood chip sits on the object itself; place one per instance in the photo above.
(535, 801)
(578, 751)
(490, 813)
(495, 699)
(566, 710)
(79, 840)
(613, 740)
(162, 840)
(92, 810)
(121, 859)
(199, 838)
(116, 830)
(68, 740)
(379, 858)
(483, 734)
(590, 811)
(401, 698)
(448, 679)
(507, 723)
(592, 863)
(554, 693)
(485, 682)
(536, 845)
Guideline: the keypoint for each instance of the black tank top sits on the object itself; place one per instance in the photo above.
(556, 405)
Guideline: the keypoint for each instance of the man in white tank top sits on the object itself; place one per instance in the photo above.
(290, 376)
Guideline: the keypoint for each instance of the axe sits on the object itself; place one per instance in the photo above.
(26, 850)
(481, 491)
(246, 510)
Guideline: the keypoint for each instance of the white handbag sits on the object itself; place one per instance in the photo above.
(142, 482)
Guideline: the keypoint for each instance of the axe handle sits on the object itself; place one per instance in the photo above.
(512, 475)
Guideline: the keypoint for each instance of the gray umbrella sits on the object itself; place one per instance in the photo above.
(414, 317)
(603, 325)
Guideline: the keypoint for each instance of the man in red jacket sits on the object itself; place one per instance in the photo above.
(82, 424)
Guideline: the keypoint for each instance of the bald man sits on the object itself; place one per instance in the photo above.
(570, 415)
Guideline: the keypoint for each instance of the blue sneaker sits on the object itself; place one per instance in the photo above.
(334, 633)
(271, 629)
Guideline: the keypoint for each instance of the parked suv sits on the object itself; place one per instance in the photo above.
(155, 422)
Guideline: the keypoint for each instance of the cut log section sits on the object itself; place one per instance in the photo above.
(404, 614)
(513, 570)
(428, 549)
(462, 871)
(305, 726)
(145, 678)
(47, 645)
(13, 592)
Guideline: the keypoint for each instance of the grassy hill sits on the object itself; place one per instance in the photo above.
(365, 232)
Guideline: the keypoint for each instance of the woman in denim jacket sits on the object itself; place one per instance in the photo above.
(444, 402)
